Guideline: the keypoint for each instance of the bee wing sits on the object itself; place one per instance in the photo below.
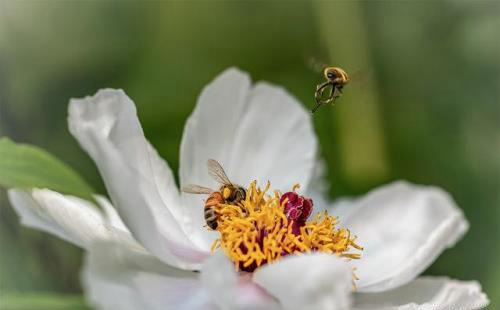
(196, 189)
(217, 172)
(315, 64)
(361, 76)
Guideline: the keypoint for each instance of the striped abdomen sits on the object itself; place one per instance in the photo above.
(212, 201)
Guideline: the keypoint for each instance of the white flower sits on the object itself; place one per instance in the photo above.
(143, 247)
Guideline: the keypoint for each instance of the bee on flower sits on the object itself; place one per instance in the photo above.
(228, 193)
(260, 228)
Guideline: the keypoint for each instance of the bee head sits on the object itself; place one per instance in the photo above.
(239, 194)
(330, 73)
(336, 73)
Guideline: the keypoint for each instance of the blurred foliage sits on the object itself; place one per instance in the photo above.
(41, 301)
(427, 109)
(26, 166)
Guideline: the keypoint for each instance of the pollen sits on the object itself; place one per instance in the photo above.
(259, 230)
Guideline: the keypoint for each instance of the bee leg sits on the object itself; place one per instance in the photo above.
(321, 86)
(333, 92)
(318, 95)
(336, 92)
(316, 107)
(243, 210)
(331, 95)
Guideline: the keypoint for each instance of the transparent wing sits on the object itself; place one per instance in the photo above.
(316, 57)
(217, 172)
(315, 64)
(196, 189)
(361, 76)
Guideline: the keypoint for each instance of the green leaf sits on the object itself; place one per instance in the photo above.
(27, 166)
(41, 301)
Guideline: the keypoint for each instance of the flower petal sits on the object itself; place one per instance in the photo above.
(426, 293)
(70, 218)
(119, 277)
(403, 228)
(139, 182)
(111, 216)
(233, 291)
(308, 282)
(258, 132)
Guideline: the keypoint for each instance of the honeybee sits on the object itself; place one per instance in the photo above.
(336, 79)
(228, 193)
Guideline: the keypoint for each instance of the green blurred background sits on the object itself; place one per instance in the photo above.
(425, 108)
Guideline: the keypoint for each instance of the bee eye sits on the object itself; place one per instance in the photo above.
(330, 75)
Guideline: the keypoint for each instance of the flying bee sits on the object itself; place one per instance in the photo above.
(331, 89)
(228, 193)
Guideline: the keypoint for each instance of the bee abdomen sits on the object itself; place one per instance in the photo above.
(211, 218)
(210, 214)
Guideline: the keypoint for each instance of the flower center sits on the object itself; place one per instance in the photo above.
(263, 228)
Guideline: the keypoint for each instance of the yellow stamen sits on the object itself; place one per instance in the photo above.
(257, 231)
